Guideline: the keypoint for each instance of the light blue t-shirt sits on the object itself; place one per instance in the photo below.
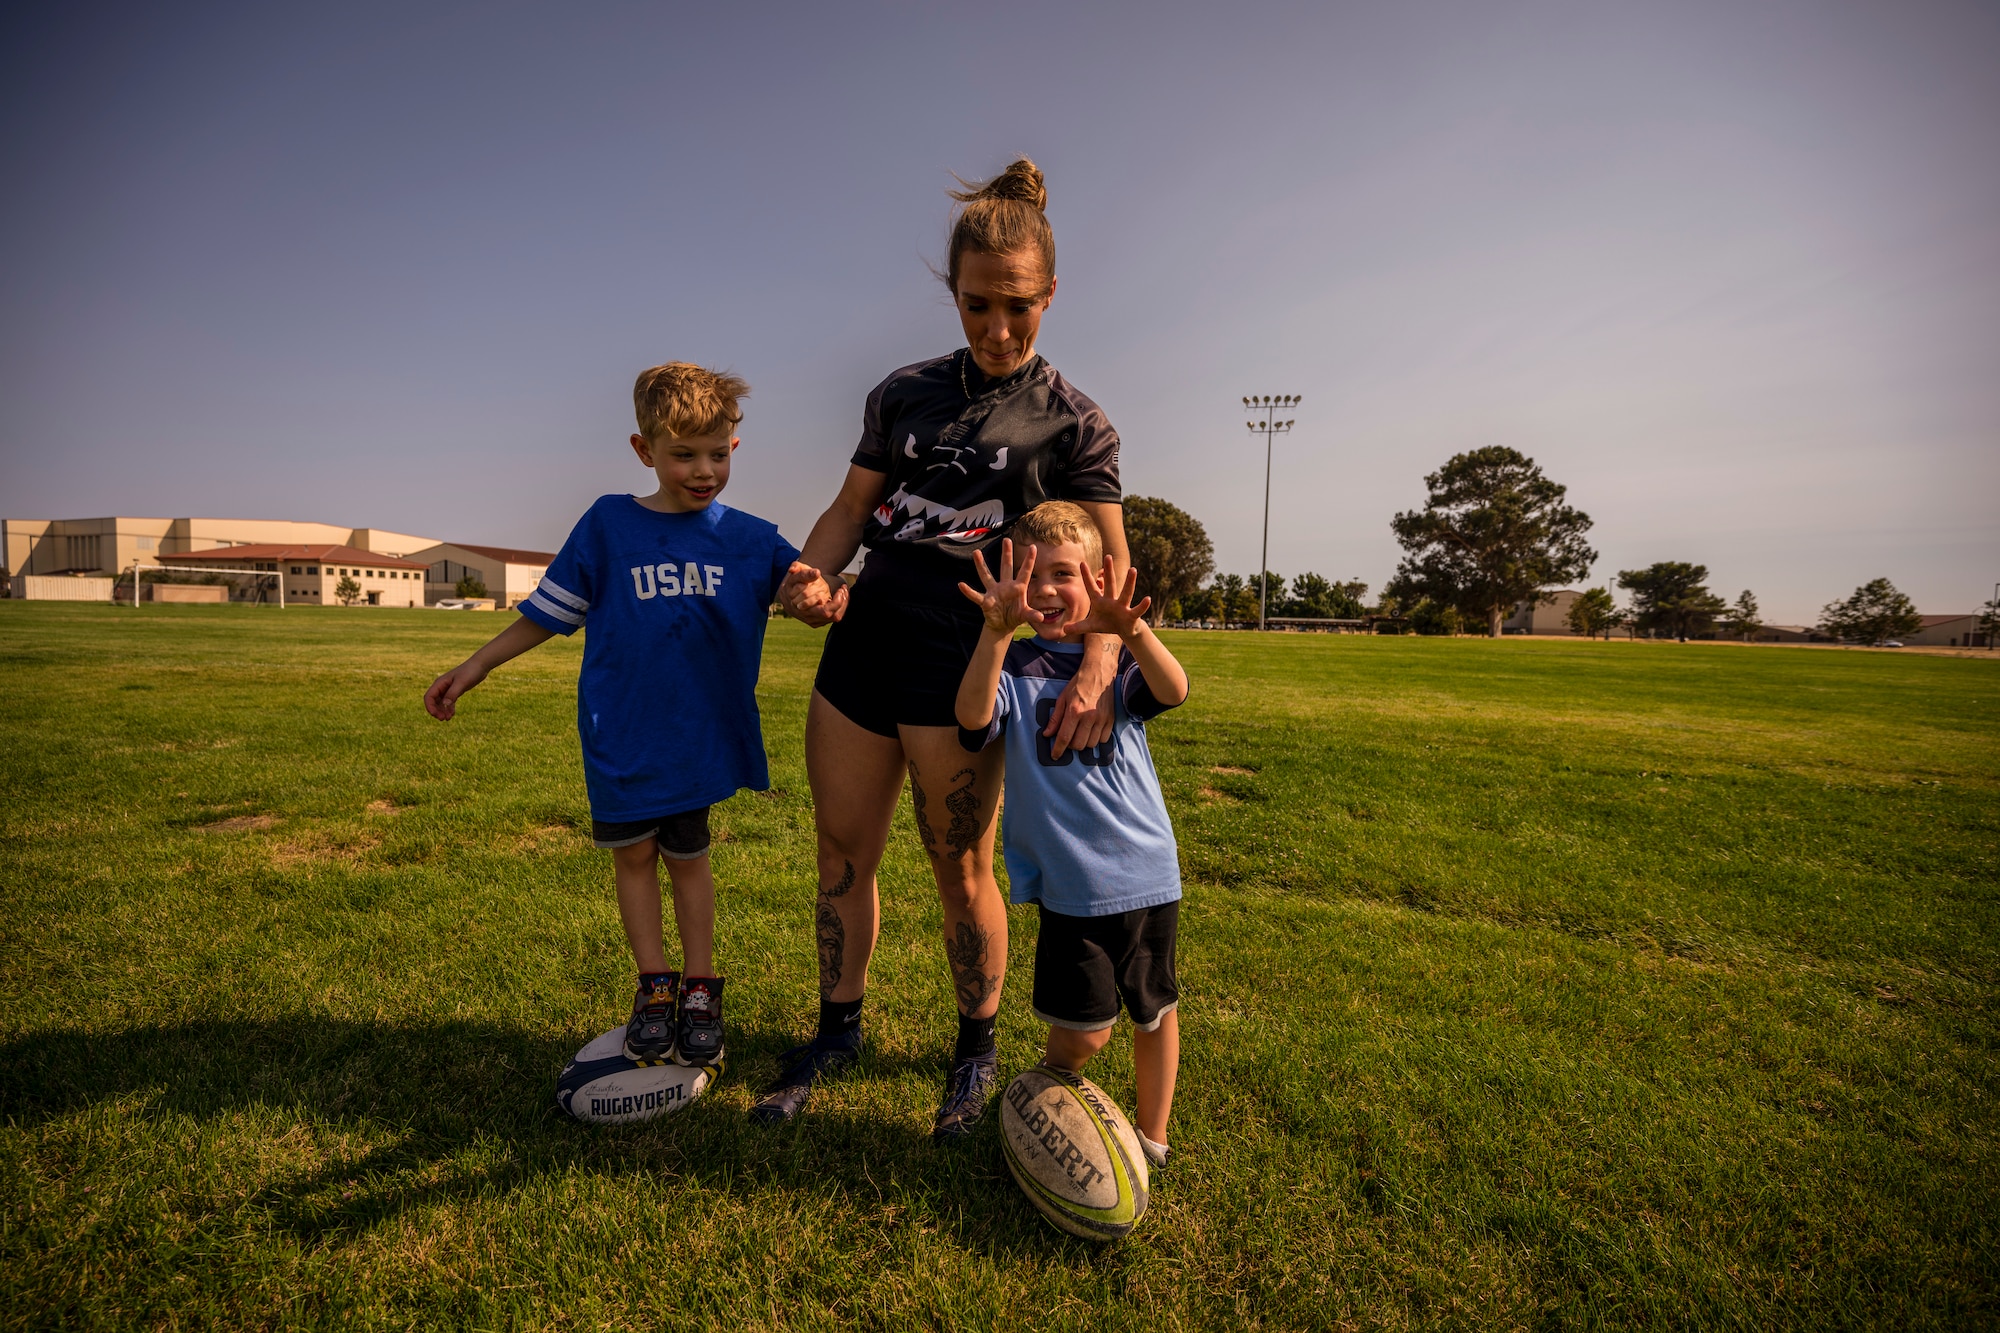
(676, 606)
(1086, 834)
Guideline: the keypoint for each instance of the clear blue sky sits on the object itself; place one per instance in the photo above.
(1730, 272)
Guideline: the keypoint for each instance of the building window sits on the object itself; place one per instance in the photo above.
(312, 569)
(295, 569)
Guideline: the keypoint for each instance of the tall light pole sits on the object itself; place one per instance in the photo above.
(1268, 427)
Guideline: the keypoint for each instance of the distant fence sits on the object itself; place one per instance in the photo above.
(59, 588)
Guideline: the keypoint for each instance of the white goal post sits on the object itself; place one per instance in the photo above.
(259, 574)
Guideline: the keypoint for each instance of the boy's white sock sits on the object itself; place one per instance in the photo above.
(1156, 1153)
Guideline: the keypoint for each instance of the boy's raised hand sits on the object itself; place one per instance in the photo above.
(1003, 601)
(1111, 614)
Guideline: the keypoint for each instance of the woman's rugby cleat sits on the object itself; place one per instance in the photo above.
(804, 1066)
(698, 1030)
(966, 1091)
(649, 1035)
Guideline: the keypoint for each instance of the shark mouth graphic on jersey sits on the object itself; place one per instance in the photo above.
(928, 518)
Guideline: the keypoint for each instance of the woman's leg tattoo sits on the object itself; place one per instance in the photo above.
(962, 803)
(832, 936)
(967, 954)
(919, 803)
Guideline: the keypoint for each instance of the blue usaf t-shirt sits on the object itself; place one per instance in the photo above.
(676, 605)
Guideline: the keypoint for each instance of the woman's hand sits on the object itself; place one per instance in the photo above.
(810, 596)
(1109, 614)
(1002, 601)
(1086, 709)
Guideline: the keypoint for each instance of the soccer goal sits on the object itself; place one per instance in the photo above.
(257, 575)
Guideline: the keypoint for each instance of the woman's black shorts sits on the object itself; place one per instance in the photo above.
(888, 662)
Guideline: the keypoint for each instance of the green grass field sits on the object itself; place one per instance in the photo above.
(1527, 984)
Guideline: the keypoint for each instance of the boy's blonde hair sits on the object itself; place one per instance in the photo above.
(679, 399)
(1053, 522)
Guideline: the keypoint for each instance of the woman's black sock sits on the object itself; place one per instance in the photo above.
(839, 1020)
(975, 1038)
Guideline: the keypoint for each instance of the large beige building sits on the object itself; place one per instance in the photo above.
(1543, 617)
(509, 574)
(1960, 631)
(311, 575)
(110, 546)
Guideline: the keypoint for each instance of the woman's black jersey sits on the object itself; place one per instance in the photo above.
(965, 456)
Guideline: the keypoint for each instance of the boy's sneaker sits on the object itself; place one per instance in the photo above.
(649, 1036)
(698, 1032)
(804, 1066)
(966, 1090)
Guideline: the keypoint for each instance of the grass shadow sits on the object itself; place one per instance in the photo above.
(449, 1110)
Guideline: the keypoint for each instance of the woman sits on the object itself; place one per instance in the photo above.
(952, 451)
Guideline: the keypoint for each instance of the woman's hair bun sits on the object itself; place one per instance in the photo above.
(1021, 180)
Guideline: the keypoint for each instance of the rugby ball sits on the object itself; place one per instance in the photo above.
(599, 1086)
(1073, 1153)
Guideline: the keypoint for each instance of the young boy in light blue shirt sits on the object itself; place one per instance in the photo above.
(1086, 834)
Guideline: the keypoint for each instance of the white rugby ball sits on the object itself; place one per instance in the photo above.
(1073, 1153)
(599, 1086)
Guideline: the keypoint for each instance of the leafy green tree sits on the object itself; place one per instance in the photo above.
(1671, 595)
(1266, 592)
(1989, 621)
(1428, 617)
(1875, 613)
(1742, 620)
(1236, 599)
(347, 592)
(471, 586)
(1593, 613)
(1317, 597)
(1493, 533)
(1170, 549)
(1201, 604)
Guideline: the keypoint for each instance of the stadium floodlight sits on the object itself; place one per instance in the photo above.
(1268, 427)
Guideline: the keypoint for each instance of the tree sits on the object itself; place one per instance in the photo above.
(471, 586)
(347, 591)
(1493, 533)
(1267, 592)
(1741, 619)
(1989, 621)
(1236, 600)
(1875, 613)
(1170, 549)
(1317, 597)
(1428, 617)
(1671, 595)
(1201, 604)
(1593, 613)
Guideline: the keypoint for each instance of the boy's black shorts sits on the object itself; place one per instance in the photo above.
(1085, 965)
(888, 662)
(682, 837)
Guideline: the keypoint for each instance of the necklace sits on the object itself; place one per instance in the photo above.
(963, 386)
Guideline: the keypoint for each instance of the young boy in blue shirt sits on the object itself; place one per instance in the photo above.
(1086, 834)
(675, 590)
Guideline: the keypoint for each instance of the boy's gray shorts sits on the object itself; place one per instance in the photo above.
(682, 837)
